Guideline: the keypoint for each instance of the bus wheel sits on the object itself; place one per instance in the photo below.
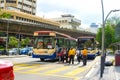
(42, 59)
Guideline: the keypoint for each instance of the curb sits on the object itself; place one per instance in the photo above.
(90, 69)
(14, 56)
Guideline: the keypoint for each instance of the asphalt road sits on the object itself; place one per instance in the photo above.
(27, 68)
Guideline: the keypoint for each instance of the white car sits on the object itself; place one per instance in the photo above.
(13, 51)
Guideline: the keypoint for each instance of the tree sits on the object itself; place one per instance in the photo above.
(110, 30)
(99, 36)
(109, 35)
(25, 42)
(13, 42)
(117, 32)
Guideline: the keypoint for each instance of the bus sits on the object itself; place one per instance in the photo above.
(88, 42)
(48, 43)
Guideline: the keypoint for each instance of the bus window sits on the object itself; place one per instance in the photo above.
(61, 42)
(49, 42)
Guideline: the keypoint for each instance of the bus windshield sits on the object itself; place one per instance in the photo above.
(45, 42)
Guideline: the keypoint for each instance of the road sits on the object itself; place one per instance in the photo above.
(27, 68)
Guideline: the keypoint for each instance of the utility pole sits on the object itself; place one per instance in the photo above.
(103, 55)
(7, 36)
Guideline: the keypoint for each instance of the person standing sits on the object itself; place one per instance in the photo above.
(84, 55)
(59, 55)
(63, 52)
(78, 54)
(71, 55)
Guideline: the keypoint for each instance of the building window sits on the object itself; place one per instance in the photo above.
(2, 1)
(9, 1)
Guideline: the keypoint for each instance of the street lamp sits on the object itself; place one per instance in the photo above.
(103, 38)
(109, 14)
(7, 36)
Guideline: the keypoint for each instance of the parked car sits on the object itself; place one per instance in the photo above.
(26, 51)
(6, 70)
(30, 52)
(1, 52)
(13, 51)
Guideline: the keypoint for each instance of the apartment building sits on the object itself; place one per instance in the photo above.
(24, 10)
(26, 6)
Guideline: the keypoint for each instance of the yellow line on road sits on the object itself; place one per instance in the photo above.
(16, 68)
(20, 64)
(75, 71)
(39, 69)
(57, 75)
(57, 70)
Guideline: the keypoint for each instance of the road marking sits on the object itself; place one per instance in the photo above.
(39, 69)
(57, 70)
(57, 75)
(51, 70)
(24, 66)
(76, 71)
(21, 64)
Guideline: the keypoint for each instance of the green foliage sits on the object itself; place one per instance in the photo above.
(25, 42)
(4, 15)
(112, 32)
(13, 42)
(99, 36)
(117, 31)
(109, 35)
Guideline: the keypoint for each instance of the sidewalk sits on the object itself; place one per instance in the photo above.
(11, 56)
(110, 72)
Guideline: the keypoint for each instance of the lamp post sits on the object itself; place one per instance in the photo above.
(7, 34)
(103, 38)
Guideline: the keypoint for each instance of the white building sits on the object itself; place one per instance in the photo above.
(68, 21)
(93, 28)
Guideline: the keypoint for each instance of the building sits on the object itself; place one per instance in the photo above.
(26, 6)
(93, 28)
(68, 21)
(94, 25)
(24, 10)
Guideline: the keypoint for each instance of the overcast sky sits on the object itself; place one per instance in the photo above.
(88, 11)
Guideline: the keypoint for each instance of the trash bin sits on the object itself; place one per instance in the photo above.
(117, 58)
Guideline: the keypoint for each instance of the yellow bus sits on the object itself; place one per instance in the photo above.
(48, 43)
